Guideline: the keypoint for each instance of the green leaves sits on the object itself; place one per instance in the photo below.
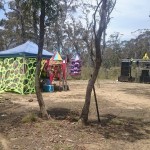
(52, 11)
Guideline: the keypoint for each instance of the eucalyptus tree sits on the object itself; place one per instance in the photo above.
(1, 31)
(114, 48)
(136, 47)
(88, 32)
(9, 31)
(74, 31)
(142, 43)
(17, 24)
(49, 11)
(17, 8)
(27, 14)
(56, 35)
(103, 10)
(1, 5)
(60, 25)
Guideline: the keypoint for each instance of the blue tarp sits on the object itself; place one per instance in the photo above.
(28, 49)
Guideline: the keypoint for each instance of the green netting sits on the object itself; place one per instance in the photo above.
(29, 79)
(1, 85)
(18, 75)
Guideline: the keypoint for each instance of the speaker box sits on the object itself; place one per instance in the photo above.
(145, 77)
(125, 69)
(145, 73)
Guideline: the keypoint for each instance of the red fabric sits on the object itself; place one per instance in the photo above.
(55, 71)
(64, 69)
(46, 65)
(51, 77)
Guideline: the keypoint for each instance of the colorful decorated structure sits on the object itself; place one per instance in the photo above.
(55, 64)
(57, 69)
(75, 66)
(17, 68)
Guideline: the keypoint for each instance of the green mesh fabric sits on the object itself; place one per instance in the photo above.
(18, 75)
(29, 79)
(1, 79)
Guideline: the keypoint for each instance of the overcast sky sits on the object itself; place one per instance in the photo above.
(128, 16)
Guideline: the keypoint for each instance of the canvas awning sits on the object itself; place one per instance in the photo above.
(28, 49)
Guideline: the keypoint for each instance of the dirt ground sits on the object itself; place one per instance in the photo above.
(124, 113)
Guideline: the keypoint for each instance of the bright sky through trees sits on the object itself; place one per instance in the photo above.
(127, 17)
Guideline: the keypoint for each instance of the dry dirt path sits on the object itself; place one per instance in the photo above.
(4, 143)
(113, 96)
(132, 95)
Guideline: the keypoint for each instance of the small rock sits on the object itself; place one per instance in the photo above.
(30, 100)
(3, 115)
(16, 147)
(13, 139)
(51, 140)
(69, 140)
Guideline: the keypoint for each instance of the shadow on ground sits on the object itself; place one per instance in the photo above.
(112, 126)
(139, 91)
(121, 128)
(64, 114)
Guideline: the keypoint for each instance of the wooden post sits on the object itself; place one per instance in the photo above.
(63, 83)
(66, 71)
(98, 116)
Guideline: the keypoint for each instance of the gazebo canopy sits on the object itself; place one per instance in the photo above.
(28, 49)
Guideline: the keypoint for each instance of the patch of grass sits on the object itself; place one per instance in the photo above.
(29, 118)
(117, 122)
(1, 146)
(68, 148)
(111, 73)
(62, 146)
(57, 147)
(73, 116)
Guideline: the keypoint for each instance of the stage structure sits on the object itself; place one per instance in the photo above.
(142, 70)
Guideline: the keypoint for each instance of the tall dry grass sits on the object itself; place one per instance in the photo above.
(111, 74)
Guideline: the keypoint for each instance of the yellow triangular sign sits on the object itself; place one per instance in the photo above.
(57, 57)
(145, 57)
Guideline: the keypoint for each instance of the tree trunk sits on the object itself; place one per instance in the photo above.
(23, 34)
(38, 65)
(19, 12)
(35, 28)
(98, 61)
(85, 110)
(102, 24)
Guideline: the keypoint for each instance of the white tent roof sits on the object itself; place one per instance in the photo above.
(28, 49)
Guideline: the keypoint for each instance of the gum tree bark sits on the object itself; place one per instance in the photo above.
(104, 9)
(43, 111)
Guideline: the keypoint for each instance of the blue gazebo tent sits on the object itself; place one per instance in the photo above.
(17, 68)
(28, 49)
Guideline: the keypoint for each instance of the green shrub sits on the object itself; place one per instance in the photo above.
(29, 118)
